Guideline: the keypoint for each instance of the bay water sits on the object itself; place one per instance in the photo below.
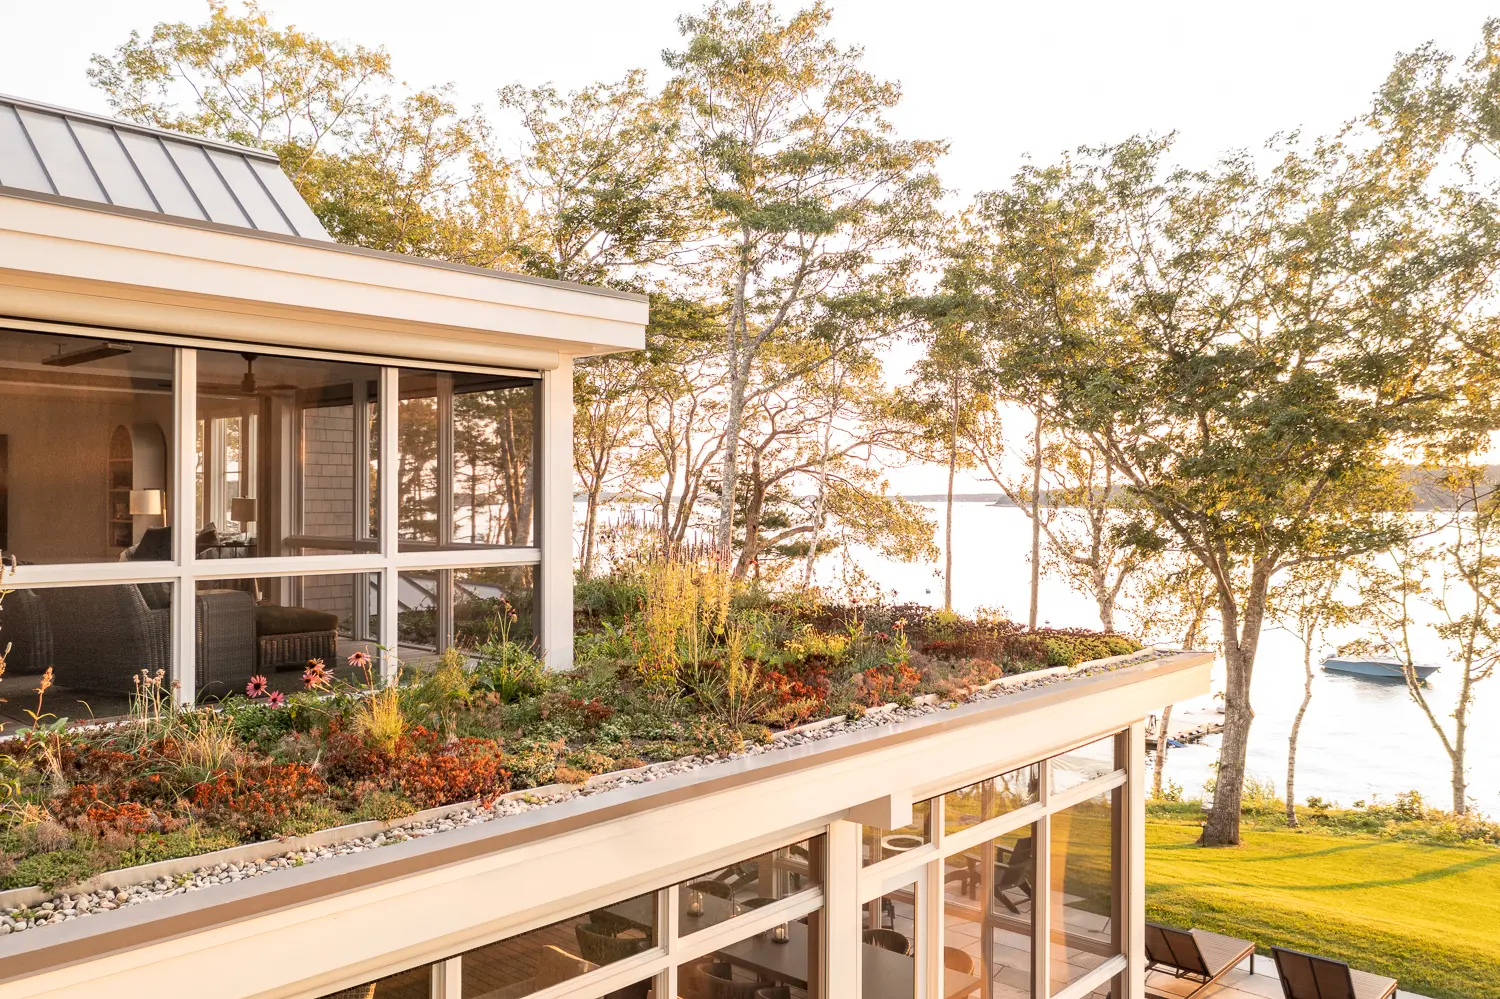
(1361, 740)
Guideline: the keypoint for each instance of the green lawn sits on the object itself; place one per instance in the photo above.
(1426, 914)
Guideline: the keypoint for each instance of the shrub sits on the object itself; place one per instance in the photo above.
(258, 800)
(433, 773)
(52, 870)
(509, 671)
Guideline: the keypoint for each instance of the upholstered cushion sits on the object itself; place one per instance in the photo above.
(158, 596)
(155, 545)
(273, 619)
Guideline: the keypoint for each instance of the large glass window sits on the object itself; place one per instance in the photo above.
(889, 946)
(287, 456)
(84, 456)
(989, 799)
(1078, 766)
(97, 640)
(881, 844)
(272, 627)
(749, 884)
(783, 961)
(1086, 867)
(464, 608)
(988, 917)
(468, 460)
(564, 950)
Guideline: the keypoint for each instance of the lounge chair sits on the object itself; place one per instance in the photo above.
(1194, 955)
(1305, 976)
(1015, 868)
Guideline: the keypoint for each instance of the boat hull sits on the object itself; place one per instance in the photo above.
(1374, 668)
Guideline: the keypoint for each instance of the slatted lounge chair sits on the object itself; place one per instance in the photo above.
(1194, 955)
(1305, 976)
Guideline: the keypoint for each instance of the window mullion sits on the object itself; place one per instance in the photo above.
(184, 487)
(389, 513)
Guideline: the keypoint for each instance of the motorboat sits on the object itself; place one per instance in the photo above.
(1381, 667)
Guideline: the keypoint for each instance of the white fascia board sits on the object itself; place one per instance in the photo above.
(341, 935)
(169, 268)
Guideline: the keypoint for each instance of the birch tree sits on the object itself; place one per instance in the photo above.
(815, 204)
(1027, 270)
(1457, 574)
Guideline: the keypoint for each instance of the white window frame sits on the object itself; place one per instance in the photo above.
(184, 570)
(847, 888)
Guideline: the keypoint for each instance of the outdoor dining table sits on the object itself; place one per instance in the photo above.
(885, 974)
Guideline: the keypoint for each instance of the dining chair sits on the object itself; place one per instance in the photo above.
(890, 940)
(722, 985)
(718, 889)
(601, 947)
(958, 960)
(774, 992)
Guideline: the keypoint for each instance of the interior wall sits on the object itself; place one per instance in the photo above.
(58, 444)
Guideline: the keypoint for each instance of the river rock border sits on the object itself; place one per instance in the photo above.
(23, 909)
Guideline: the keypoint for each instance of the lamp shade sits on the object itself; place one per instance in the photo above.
(242, 509)
(147, 502)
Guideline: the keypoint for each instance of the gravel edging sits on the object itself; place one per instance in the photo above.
(197, 873)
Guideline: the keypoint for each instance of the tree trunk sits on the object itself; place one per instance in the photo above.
(1460, 737)
(590, 517)
(1240, 640)
(819, 507)
(948, 519)
(738, 370)
(1291, 741)
(1036, 519)
(1160, 765)
(730, 468)
(1104, 596)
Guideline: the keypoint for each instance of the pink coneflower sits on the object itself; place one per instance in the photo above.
(256, 686)
(317, 674)
(276, 699)
(360, 659)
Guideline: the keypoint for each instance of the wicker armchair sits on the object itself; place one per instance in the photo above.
(103, 635)
(23, 626)
(225, 641)
(99, 637)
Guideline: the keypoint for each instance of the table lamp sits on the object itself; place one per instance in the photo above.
(147, 502)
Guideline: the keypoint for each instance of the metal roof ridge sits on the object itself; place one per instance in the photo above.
(130, 126)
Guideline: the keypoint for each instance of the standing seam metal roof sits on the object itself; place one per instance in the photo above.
(56, 151)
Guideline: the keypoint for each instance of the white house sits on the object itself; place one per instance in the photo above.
(229, 445)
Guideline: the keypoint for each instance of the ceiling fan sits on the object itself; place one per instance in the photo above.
(248, 384)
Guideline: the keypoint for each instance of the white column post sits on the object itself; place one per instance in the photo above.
(667, 902)
(555, 509)
(446, 637)
(841, 910)
(360, 528)
(1133, 878)
(930, 912)
(389, 514)
(184, 618)
(447, 980)
(1041, 895)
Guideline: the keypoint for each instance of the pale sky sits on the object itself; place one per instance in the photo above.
(998, 79)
